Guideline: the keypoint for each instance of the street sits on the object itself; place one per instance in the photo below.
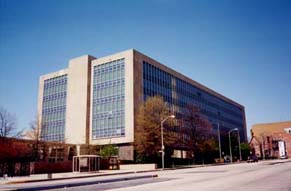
(266, 175)
(239, 177)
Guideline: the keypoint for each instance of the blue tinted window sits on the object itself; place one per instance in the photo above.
(108, 100)
(179, 93)
(54, 109)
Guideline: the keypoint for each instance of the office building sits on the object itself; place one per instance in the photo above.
(95, 100)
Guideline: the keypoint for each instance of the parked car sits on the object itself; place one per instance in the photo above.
(226, 159)
(252, 158)
(283, 157)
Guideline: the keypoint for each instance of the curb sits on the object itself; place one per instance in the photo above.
(78, 177)
(68, 185)
(278, 162)
(66, 178)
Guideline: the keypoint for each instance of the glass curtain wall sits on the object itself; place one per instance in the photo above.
(108, 100)
(179, 94)
(54, 109)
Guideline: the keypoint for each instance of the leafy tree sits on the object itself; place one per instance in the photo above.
(245, 150)
(108, 151)
(148, 129)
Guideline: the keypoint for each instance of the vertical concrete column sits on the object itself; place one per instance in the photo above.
(78, 100)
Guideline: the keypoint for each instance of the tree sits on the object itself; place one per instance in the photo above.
(148, 129)
(8, 124)
(245, 150)
(33, 132)
(108, 151)
(197, 133)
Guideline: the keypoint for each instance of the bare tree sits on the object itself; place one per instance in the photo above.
(8, 124)
(33, 132)
(197, 131)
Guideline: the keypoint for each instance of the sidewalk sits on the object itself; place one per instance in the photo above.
(73, 175)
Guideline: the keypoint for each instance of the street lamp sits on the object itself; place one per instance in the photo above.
(218, 132)
(239, 145)
(162, 139)
(235, 129)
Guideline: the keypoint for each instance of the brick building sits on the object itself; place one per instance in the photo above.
(265, 137)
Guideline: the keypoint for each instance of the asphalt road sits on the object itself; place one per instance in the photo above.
(239, 177)
(267, 176)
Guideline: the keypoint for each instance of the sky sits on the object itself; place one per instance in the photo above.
(239, 48)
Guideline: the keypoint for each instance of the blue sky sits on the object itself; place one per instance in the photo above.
(239, 48)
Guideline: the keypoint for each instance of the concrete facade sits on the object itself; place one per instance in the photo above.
(78, 94)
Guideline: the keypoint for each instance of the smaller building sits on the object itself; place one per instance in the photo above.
(265, 138)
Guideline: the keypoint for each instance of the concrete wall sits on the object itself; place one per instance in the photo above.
(138, 167)
(78, 89)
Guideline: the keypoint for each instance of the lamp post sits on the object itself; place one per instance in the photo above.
(235, 129)
(219, 144)
(230, 142)
(239, 146)
(162, 139)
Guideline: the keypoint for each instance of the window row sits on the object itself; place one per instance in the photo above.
(49, 124)
(54, 110)
(108, 114)
(52, 138)
(54, 117)
(110, 106)
(108, 99)
(54, 90)
(54, 103)
(109, 66)
(53, 131)
(108, 83)
(56, 80)
(110, 91)
(108, 77)
(109, 122)
(55, 96)
(106, 134)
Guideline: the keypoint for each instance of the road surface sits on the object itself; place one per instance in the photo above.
(267, 176)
